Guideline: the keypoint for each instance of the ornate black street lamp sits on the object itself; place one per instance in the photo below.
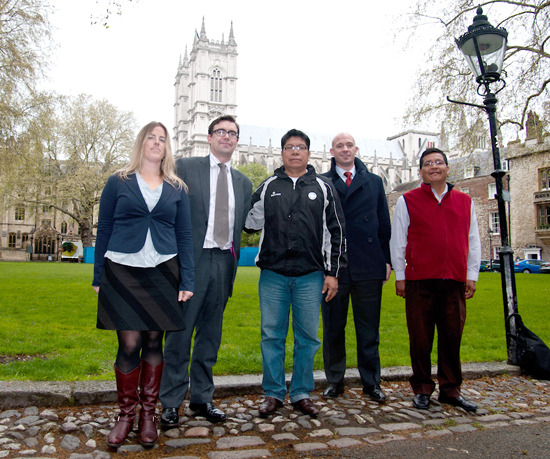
(484, 47)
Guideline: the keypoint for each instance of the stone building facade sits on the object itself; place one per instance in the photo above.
(205, 88)
(19, 224)
(530, 193)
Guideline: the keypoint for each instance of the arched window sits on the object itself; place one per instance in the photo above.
(12, 237)
(64, 228)
(216, 86)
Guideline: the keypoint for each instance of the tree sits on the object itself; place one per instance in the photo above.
(526, 65)
(24, 44)
(257, 174)
(111, 7)
(69, 152)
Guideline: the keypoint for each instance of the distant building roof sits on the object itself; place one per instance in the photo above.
(407, 186)
(480, 161)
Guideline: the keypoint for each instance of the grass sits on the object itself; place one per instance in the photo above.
(48, 322)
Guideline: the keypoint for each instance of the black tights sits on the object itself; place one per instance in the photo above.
(134, 346)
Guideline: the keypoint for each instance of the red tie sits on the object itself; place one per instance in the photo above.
(348, 178)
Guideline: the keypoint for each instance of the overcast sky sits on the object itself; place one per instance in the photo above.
(316, 66)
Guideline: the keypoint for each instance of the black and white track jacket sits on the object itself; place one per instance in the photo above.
(302, 225)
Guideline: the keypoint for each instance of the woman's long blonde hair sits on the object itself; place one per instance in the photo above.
(167, 166)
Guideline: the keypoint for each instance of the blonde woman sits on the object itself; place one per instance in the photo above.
(143, 271)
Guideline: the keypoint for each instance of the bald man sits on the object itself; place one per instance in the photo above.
(368, 233)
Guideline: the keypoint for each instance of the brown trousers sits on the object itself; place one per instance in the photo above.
(434, 303)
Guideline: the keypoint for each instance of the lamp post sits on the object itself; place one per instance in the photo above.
(484, 47)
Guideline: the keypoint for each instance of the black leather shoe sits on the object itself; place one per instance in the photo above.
(459, 401)
(375, 393)
(421, 401)
(169, 417)
(269, 406)
(334, 390)
(306, 406)
(209, 411)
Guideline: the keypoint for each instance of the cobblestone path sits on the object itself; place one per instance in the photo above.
(346, 422)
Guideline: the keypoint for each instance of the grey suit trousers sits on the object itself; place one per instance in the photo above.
(204, 315)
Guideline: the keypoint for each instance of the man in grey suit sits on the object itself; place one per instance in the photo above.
(220, 200)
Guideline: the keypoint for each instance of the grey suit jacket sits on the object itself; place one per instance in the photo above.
(195, 172)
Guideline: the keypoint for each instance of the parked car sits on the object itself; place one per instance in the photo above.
(545, 268)
(486, 266)
(529, 266)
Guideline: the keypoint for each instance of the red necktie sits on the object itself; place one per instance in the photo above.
(348, 178)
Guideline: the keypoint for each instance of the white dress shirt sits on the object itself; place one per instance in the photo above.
(341, 171)
(400, 231)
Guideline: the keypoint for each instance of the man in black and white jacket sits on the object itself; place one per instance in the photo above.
(302, 252)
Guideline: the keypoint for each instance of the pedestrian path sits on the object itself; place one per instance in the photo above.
(352, 420)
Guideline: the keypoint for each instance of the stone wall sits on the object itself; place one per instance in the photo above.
(525, 160)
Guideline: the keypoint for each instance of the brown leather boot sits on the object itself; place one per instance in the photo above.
(149, 391)
(127, 396)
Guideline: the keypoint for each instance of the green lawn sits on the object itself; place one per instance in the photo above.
(47, 331)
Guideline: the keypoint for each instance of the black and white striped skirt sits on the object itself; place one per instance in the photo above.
(133, 298)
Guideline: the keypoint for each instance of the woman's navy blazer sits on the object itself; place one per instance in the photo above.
(124, 219)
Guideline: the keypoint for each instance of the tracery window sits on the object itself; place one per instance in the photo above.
(216, 86)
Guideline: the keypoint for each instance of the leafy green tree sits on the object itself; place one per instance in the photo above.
(69, 152)
(257, 174)
(445, 72)
(24, 43)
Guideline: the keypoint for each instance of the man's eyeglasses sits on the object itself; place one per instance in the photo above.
(223, 132)
(437, 162)
(295, 147)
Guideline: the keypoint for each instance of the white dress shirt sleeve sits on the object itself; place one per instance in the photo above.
(474, 247)
(398, 242)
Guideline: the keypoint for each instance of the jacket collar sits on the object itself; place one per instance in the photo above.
(310, 172)
(427, 188)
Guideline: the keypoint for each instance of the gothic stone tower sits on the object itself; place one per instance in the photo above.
(206, 87)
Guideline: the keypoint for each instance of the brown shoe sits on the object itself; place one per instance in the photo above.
(269, 405)
(306, 406)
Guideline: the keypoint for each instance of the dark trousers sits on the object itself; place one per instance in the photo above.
(202, 314)
(435, 303)
(366, 298)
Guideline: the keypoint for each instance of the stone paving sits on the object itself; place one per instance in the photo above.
(346, 422)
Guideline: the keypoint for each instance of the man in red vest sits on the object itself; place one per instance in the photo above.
(436, 253)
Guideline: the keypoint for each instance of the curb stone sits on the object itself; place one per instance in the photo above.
(20, 394)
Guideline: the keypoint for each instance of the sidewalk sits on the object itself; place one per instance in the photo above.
(62, 420)
(21, 394)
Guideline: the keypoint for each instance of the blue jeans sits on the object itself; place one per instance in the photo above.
(277, 293)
